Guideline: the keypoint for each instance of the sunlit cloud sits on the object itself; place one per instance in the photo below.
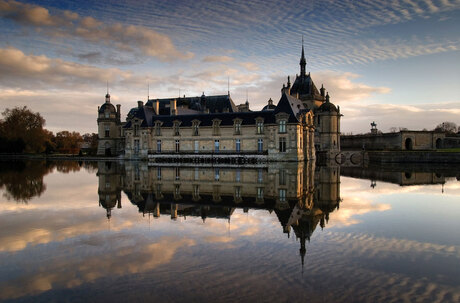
(218, 59)
(65, 24)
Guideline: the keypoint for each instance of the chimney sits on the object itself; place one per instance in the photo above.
(173, 107)
(140, 104)
(118, 110)
(156, 107)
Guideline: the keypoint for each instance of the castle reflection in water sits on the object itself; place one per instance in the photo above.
(301, 195)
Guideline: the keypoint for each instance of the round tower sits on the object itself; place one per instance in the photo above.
(328, 126)
(109, 129)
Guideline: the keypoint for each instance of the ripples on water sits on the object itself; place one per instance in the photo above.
(73, 231)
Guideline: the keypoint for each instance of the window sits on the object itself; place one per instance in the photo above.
(136, 147)
(238, 175)
(107, 131)
(282, 126)
(158, 146)
(197, 174)
(260, 127)
(216, 146)
(215, 127)
(107, 114)
(260, 145)
(195, 128)
(177, 146)
(136, 130)
(260, 192)
(176, 129)
(237, 127)
(238, 145)
(217, 174)
(282, 179)
(282, 193)
(157, 128)
(177, 173)
(282, 145)
(260, 176)
(107, 185)
(159, 173)
(238, 192)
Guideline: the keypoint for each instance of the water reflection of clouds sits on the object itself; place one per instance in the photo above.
(348, 184)
(108, 256)
(69, 223)
(351, 207)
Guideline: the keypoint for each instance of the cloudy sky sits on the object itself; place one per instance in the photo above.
(394, 62)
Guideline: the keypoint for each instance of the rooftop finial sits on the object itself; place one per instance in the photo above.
(303, 62)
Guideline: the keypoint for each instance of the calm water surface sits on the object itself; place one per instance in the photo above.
(128, 232)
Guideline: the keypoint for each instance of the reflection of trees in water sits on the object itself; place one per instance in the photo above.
(23, 180)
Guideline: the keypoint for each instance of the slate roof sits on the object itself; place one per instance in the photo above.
(215, 104)
(108, 106)
(303, 85)
(288, 104)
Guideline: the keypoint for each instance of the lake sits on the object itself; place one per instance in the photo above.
(133, 231)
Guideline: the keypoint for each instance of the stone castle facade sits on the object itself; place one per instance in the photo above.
(302, 123)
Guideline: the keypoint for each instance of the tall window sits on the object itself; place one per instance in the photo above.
(260, 127)
(238, 145)
(157, 129)
(260, 192)
(215, 127)
(195, 128)
(107, 131)
(159, 173)
(136, 130)
(136, 147)
(237, 127)
(260, 145)
(282, 126)
(217, 174)
(282, 193)
(260, 176)
(282, 180)
(216, 146)
(238, 175)
(238, 192)
(177, 173)
(107, 114)
(282, 145)
(176, 129)
(177, 146)
(158, 146)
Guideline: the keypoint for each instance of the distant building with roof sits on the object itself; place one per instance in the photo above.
(193, 129)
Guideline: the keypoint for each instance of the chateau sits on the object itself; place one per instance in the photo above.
(302, 123)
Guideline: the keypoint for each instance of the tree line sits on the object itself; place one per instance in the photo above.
(22, 131)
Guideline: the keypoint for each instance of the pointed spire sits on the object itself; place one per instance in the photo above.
(303, 62)
(107, 96)
(327, 97)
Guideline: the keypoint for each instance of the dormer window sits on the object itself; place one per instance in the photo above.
(158, 128)
(176, 128)
(260, 127)
(237, 126)
(195, 128)
(136, 130)
(282, 126)
(107, 114)
(216, 127)
(107, 131)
